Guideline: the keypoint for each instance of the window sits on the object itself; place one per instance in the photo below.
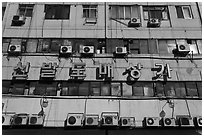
(138, 89)
(159, 89)
(184, 12)
(26, 10)
(57, 11)
(105, 89)
(95, 88)
(180, 89)
(5, 87)
(199, 43)
(127, 90)
(158, 12)
(193, 46)
(90, 11)
(48, 89)
(199, 86)
(31, 46)
(125, 12)
(5, 45)
(44, 45)
(166, 46)
(170, 89)
(191, 89)
(115, 89)
(55, 45)
(84, 89)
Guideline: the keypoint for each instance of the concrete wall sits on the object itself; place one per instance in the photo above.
(57, 109)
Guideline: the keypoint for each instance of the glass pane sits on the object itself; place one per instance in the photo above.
(115, 89)
(113, 12)
(65, 12)
(51, 91)
(199, 43)
(135, 12)
(55, 45)
(159, 89)
(148, 89)
(127, 12)
(31, 45)
(152, 46)
(191, 89)
(179, 12)
(127, 90)
(180, 89)
(143, 47)
(187, 13)
(21, 12)
(5, 45)
(29, 12)
(162, 47)
(92, 13)
(84, 89)
(40, 89)
(105, 89)
(146, 16)
(85, 13)
(18, 89)
(199, 86)
(138, 89)
(46, 46)
(73, 89)
(165, 14)
(5, 87)
(121, 12)
(169, 89)
(95, 88)
(171, 44)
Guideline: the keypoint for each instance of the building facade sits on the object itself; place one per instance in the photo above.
(139, 61)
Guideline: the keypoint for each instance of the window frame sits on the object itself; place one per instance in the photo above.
(26, 8)
(183, 13)
(54, 7)
(154, 8)
(118, 8)
(90, 8)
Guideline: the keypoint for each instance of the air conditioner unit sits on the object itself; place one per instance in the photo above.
(121, 50)
(74, 119)
(197, 121)
(87, 49)
(20, 120)
(153, 22)
(127, 121)
(168, 122)
(109, 119)
(6, 120)
(14, 49)
(151, 121)
(91, 120)
(185, 121)
(18, 20)
(35, 120)
(134, 22)
(65, 49)
(183, 48)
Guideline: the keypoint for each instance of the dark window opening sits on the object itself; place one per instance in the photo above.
(57, 11)
(26, 10)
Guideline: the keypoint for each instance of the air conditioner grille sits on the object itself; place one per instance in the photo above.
(64, 49)
(200, 121)
(168, 121)
(33, 120)
(89, 120)
(119, 50)
(150, 121)
(108, 120)
(72, 120)
(12, 48)
(125, 122)
(182, 47)
(86, 49)
(18, 120)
